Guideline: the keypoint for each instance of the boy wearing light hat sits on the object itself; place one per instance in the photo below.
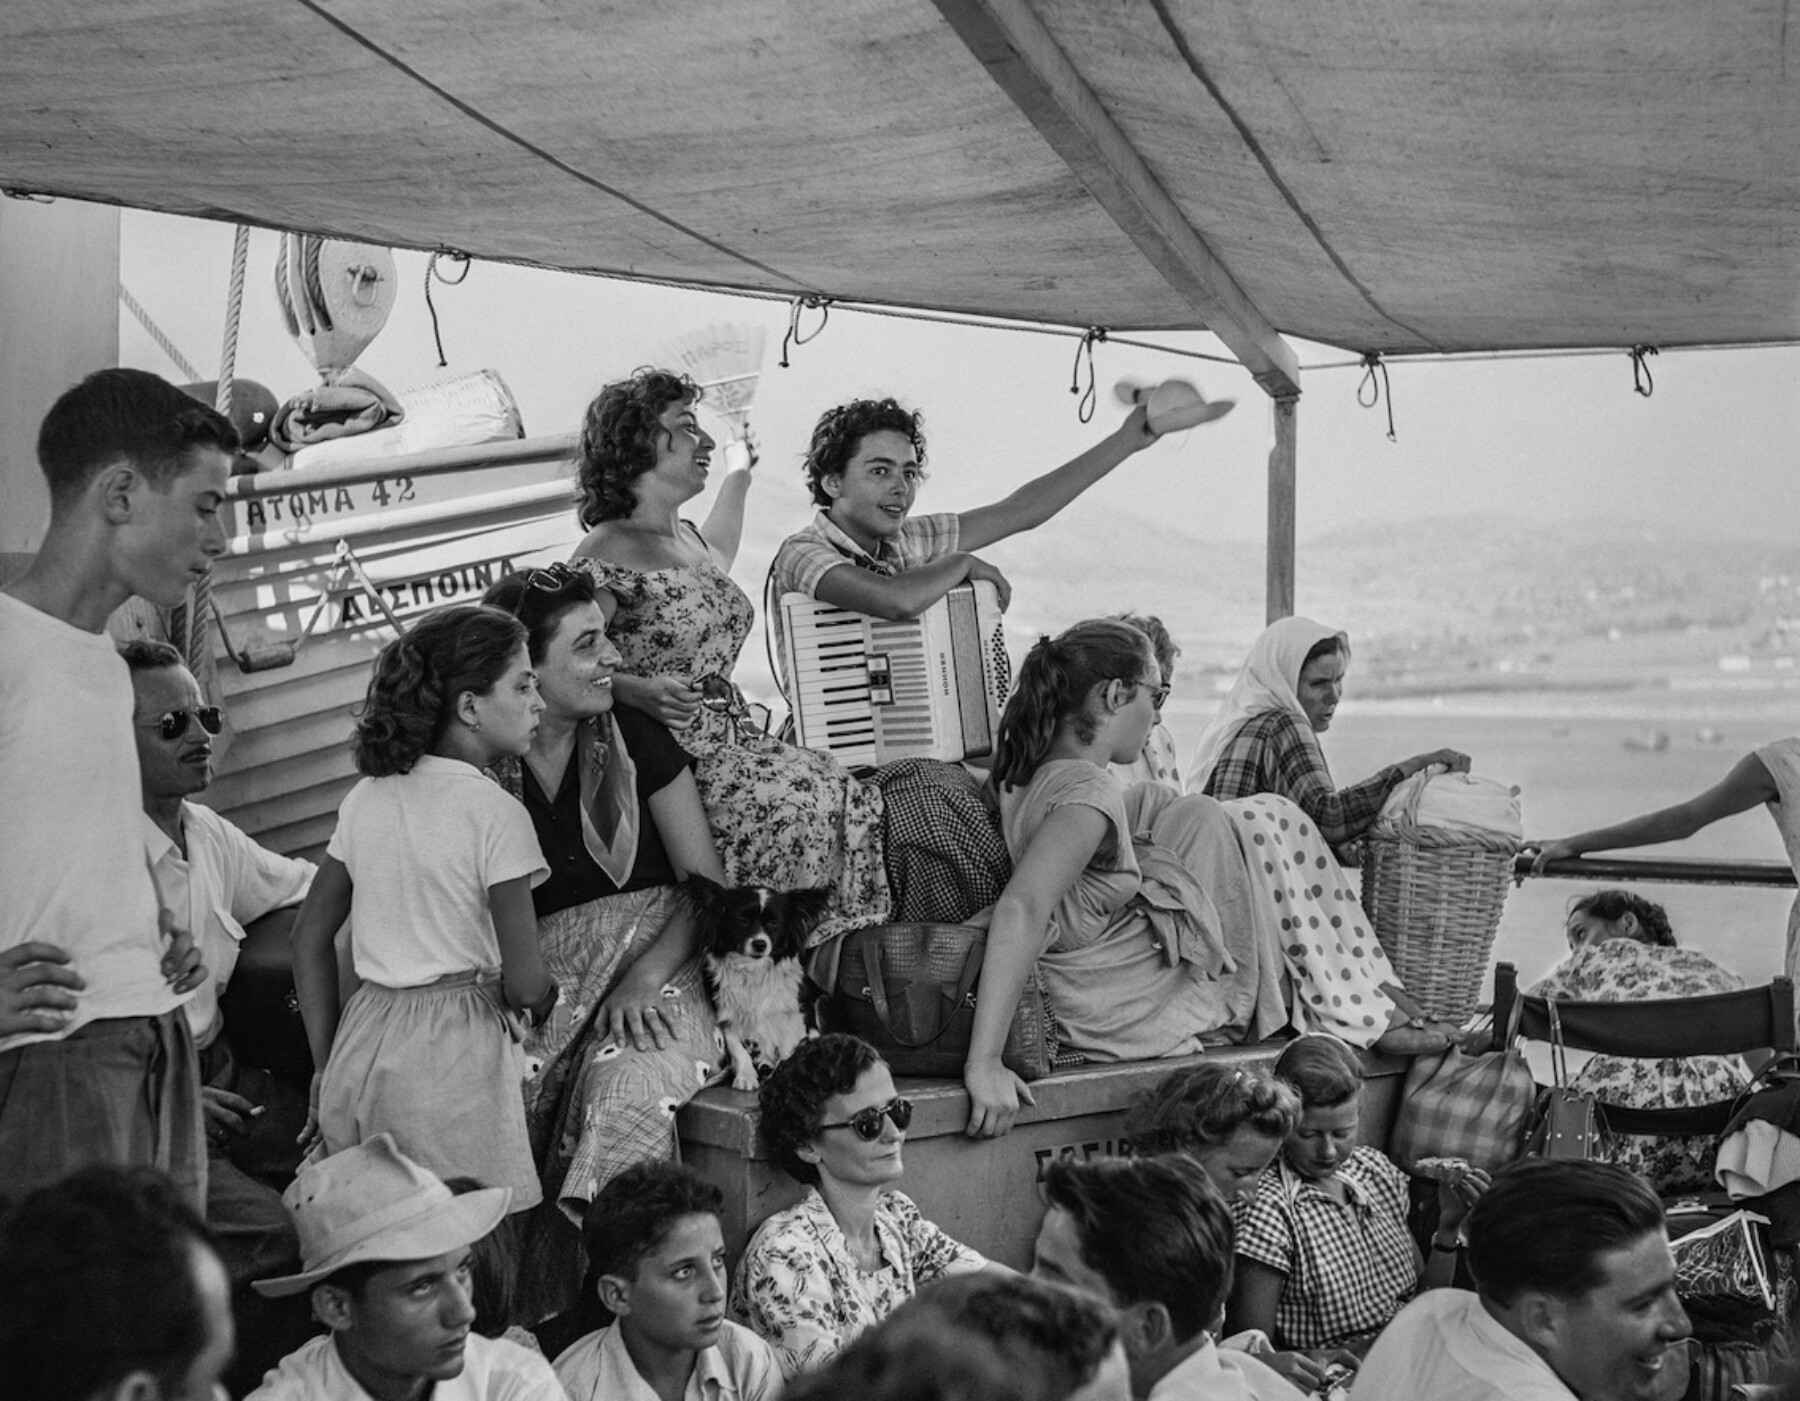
(385, 1247)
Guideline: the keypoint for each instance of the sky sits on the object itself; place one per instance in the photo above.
(1713, 449)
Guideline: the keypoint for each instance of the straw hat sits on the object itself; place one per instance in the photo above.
(372, 1202)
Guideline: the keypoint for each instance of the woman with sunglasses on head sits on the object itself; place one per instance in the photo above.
(783, 817)
(817, 1275)
(611, 796)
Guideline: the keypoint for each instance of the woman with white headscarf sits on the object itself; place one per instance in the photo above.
(1261, 759)
(1264, 738)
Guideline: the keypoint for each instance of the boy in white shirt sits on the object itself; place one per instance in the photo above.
(137, 473)
(386, 1252)
(657, 1262)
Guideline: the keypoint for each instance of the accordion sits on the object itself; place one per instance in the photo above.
(868, 691)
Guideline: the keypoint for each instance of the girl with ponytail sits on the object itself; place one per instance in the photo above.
(433, 863)
(1129, 946)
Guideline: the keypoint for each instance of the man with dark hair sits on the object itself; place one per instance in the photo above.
(110, 1291)
(1065, 1344)
(1575, 1298)
(866, 552)
(215, 880)
(1153, 1238)
(137, 473)
(386, 1252)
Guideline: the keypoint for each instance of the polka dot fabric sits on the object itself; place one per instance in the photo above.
(1343, 982)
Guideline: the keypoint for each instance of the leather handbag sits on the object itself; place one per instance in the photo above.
(1569, 1123)
(909, 990)
(1462, 1105)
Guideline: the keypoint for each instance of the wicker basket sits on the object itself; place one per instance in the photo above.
(1435, 897)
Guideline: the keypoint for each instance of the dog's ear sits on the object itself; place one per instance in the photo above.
(702, 894)
(809, 906)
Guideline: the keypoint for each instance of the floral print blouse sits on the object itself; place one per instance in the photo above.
(798, 1286)
(1624, 970)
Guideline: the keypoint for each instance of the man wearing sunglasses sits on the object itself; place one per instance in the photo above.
(212, 877)
(136, 475)
(216, 881)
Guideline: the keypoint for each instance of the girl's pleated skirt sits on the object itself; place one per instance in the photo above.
(440, 1069)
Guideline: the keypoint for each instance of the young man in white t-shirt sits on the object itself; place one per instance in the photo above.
(137, 473)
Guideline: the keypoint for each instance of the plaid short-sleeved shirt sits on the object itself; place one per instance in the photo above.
(1269, 754)
(807, 556)
(1349, 1268)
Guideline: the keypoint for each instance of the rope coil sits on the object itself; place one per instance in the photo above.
(1641, 378)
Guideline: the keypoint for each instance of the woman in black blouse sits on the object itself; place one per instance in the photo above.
(619, 819)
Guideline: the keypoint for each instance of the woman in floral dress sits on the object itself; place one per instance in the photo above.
(1624, 951)
(781, 816)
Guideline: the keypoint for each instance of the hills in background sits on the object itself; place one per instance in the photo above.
(1464, 601)
(1433, 607)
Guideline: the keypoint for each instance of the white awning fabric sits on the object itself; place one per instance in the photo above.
(1383, 175)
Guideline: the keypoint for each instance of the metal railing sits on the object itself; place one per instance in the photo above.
(1683, 870)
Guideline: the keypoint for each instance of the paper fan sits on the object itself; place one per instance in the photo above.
(726, 361)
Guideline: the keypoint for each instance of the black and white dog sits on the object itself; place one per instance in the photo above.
(752, 938)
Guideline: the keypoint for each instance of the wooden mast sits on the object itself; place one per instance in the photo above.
(1024, 59)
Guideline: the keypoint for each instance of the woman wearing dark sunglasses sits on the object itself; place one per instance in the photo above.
(819, 1274)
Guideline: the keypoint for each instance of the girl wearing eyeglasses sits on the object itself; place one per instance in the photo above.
(819, 1274)
(1153, 930)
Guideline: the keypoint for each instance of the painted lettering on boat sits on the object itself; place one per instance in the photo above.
(422, 592)
(294, 507)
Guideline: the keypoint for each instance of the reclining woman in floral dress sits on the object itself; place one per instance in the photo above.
(1621, 949)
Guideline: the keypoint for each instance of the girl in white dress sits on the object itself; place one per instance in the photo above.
(433, 863)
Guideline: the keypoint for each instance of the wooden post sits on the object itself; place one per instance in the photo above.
(1279, 580)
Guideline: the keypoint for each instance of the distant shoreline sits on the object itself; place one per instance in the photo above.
(1666, 701)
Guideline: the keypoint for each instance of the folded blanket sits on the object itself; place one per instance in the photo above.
(348, 402)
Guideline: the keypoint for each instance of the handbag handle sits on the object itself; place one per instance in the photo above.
(1559, 1053)
(868, 941)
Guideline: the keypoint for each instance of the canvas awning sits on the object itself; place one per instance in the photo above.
(1385, 175)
